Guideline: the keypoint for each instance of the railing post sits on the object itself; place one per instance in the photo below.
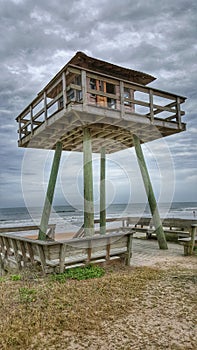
(88, 184)
(122, 108)
(102, 193)
(19, 125)
(151, 105)
(50, 192)
(31, 119)
(84, 88)
(150, 194)
(178, 111)
(45, 105)
(64, 89)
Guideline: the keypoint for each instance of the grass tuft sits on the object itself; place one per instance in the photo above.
(80, 273)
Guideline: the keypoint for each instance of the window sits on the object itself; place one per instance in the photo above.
(78, 80)
(93, 84)
(79, 95)
(70, 95)
(127, 96)
(111, 103)
(110, 88)
(61, 103)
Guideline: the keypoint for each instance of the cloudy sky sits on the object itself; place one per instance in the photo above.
(39, 37)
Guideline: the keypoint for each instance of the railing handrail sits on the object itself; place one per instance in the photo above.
(58, 89)
(142, 88)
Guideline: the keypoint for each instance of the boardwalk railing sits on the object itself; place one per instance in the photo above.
(79, 86)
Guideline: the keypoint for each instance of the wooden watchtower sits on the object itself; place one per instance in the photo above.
(95, 106)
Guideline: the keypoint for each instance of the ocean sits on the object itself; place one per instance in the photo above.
(68, 218)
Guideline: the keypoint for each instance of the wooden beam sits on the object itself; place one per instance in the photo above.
(50, 192)
(150, 194)
(102, 193)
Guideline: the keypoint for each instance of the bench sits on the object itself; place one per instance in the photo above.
(189, 243)
(172, 226)
(55, 256)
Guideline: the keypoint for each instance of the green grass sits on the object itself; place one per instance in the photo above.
(80, 273)
(27, 295)
(16, 277)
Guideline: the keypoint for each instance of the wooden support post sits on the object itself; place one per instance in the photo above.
(150, 194)
(102, 193)
(50, 193)
(88, 184)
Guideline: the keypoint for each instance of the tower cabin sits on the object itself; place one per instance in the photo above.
(114, 102)
(95, 106)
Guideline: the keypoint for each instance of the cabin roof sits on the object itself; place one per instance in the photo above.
(82, 60)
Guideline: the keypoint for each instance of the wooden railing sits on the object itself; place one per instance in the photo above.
(72, 87)
(18, 252)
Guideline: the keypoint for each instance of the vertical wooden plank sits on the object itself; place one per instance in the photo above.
(1, 266)
(108, 246)
(129, 249)
(62, 257)
(102, 193)
(64, 89)
(31, 252)
(178, 111)
(193, 234)
(23, 251)
(88, 184)
(122, 106)
(2, 249)
(6, 245)
(89, 252)
(50, 192)
(45, 105)
(19, 130)
(150, 194)
(151, 105)
(31, 118)
(42, 257)
(16, 254)
(84, 88)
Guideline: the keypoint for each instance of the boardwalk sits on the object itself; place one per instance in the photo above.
(147, 253)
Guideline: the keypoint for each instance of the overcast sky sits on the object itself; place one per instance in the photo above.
(39, 37)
